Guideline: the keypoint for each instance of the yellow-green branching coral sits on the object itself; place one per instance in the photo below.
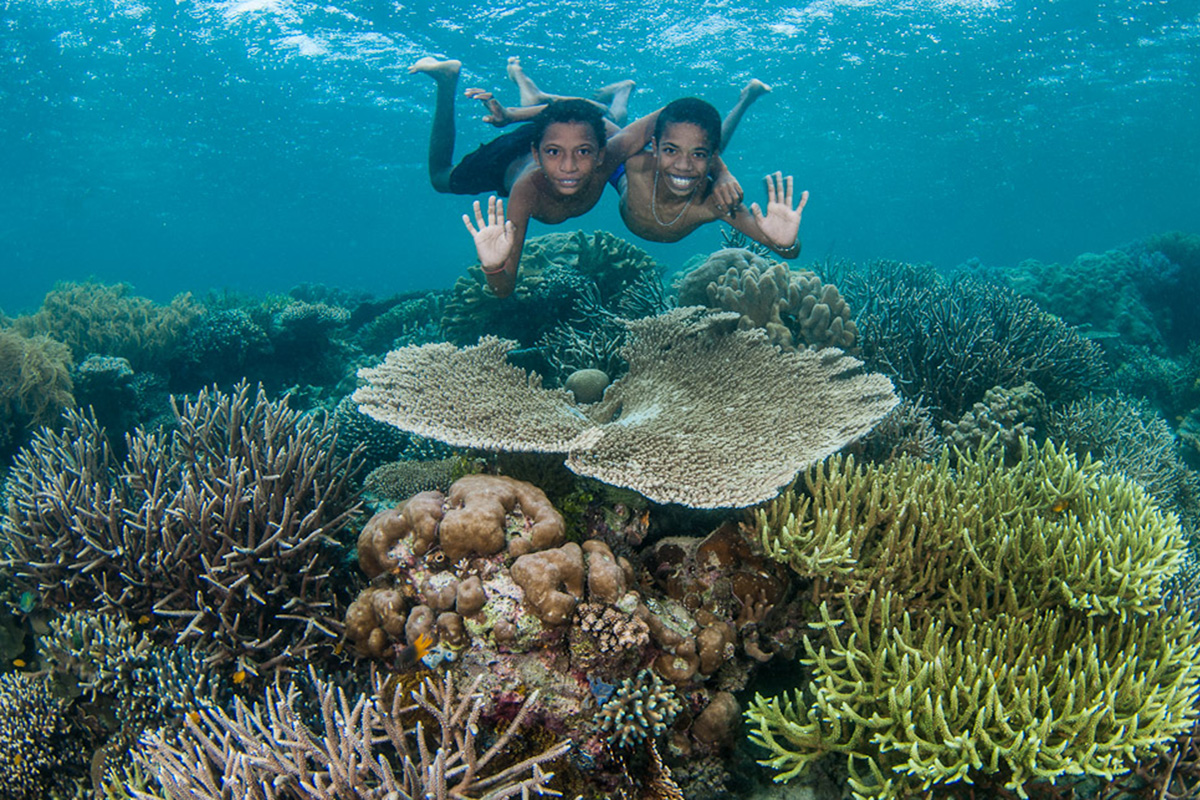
(1049, 530)
(979, 622)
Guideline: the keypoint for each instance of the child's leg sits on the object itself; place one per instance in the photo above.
(752, 91)
(531, 95)
(615, 97)
(441, 137)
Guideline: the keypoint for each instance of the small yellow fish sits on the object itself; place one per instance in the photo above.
(1060, 505)
(411, 654)
(239, 676)
(338, 648)
(144, 619)
(194, 717)
(19, 663)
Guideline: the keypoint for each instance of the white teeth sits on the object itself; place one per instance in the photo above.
(680, 182)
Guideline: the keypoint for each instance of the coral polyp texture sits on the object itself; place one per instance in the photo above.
(707, 416)
(991, 624)
(219, 530)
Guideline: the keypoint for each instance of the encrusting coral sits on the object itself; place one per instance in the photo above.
(219, 530)
(707, 416)
(980, 623)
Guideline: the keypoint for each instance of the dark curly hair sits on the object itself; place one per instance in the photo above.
(697, 112)
(569, 111)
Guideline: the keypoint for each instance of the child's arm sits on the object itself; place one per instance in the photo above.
(779, 228)
(498, 242)
(633, 138)
(725, 187)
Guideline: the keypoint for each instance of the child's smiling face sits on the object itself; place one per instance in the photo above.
(682, 157)
(569, 155)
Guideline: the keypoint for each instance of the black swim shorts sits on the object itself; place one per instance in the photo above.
(482, 171)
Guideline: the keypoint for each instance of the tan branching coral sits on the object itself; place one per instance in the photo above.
(708, 416)
(217, 529)
(361, 750)
(1008, 621)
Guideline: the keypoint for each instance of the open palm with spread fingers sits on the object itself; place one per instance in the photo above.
(781, 223)
(494, 237)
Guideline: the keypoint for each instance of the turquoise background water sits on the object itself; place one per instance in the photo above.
(257, 144)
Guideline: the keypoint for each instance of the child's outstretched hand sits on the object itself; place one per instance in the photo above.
(781, 223)
(494, 238)
(497, 114)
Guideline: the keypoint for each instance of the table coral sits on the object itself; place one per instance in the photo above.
(693, 397)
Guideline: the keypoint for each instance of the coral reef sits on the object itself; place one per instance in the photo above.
(35, 384)
(946, 343)
(1165, 270)
(1009, 622)
(666, 429)
(220, 529)
(794, 308)
(410, 319)
(1133, 439)
(1006, 415)
(907, 430)
(223, 347)
(359, 749)
(557, 271)
(1098, 292)
(95, 318)
(39, 751)
(399, 480)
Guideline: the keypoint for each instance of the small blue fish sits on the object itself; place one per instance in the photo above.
(26, 602)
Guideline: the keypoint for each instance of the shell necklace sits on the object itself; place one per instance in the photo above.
(654, 203)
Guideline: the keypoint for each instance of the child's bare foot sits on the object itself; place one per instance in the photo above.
(497, 114)
(609, 93)
(754, 89)
(440, 71)
(531, 95)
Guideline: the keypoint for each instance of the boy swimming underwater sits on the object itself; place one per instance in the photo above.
(552, 169)
(667, 192)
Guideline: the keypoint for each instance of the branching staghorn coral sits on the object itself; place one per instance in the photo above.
(220, 528)
(362, 749)
(948, 342)
(980, 621)
(917, 702)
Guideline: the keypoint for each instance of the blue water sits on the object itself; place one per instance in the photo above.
(258, 144)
